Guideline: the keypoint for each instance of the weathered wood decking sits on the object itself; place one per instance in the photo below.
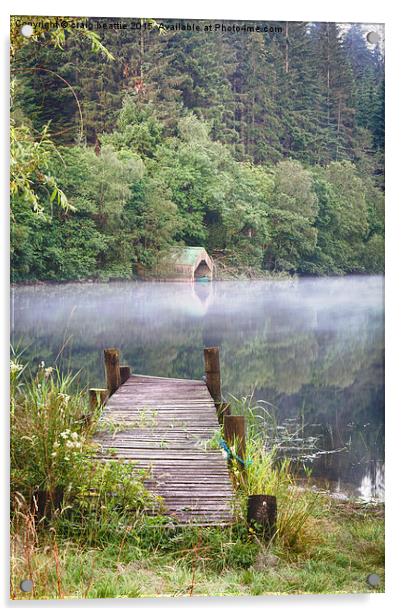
(164, 424)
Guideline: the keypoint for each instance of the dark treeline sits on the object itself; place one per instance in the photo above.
(266, 148)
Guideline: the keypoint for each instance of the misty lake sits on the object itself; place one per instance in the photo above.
(312, 349)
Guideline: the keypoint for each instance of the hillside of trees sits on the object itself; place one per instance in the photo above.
(266, 148)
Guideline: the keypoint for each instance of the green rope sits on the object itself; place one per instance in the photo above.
(230, 454)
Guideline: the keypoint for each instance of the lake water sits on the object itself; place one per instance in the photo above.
(311, 349)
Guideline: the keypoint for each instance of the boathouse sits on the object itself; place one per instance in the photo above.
(182, 264)
(191, 263)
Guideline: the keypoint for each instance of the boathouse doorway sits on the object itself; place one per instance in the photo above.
(203, 271)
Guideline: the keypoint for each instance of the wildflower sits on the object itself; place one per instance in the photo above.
(74, 435)
(48, 371)
(73, 444)
(14, 367)
(53, 455)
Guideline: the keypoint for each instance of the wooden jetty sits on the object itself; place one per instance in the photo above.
(164, 425)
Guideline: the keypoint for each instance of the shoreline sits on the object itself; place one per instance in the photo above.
(281, 277)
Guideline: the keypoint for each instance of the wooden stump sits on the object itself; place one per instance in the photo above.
(112, 368)
(212, 371)
(97, 397)
(262, 514)
(125, 373)
(45, 503)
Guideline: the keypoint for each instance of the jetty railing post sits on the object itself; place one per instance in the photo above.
(125, 373)
(262, 513)
(112, 369)
(212, 372)
(234, 434)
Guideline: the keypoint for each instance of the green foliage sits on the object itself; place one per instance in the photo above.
(137, 129)
(47, 430)
(151, 222)
(53, 36)
(90, 243)
(32, 149)
(98, 184)
(30, 160)
(243, 145)
(292, 215)
(343, 218)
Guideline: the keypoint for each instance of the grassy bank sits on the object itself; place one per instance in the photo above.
(344, 545)
(98, 541)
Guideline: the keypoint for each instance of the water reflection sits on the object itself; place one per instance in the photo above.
(312, 349)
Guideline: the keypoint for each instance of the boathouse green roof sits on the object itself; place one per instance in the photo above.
(188, 255)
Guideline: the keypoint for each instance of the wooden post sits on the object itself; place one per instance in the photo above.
(97, 397)
(125, 373)
(44, 502)
(262, 512)
(112, 367)
(234, 432)
(212, 371)
(223, 409)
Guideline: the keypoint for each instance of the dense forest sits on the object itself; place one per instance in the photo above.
(267, 148)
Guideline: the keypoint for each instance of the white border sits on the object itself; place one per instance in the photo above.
(305, 10)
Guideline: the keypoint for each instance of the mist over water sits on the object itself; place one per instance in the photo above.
(312, 348)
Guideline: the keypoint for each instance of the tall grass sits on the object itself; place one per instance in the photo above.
(49, 429)
(268, 473)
